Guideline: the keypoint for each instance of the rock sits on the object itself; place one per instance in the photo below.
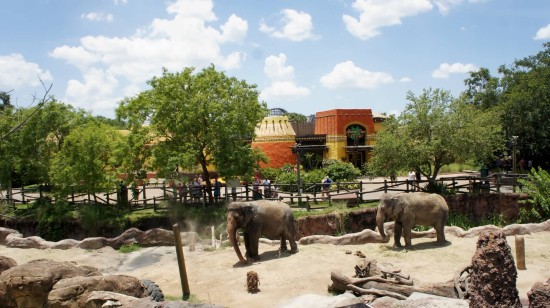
(6, 263)
(74, 291)
(539, 295)
(28, 285)
(493, 273)
(102, 299)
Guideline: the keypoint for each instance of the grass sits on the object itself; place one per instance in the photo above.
(129, 248)
(336, 208)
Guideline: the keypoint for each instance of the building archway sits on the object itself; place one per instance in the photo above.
(356, 136)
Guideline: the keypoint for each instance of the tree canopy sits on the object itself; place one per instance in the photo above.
(434, 130)
(198, 119)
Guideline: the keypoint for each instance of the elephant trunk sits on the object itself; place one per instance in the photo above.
(380, 222)
(232, 233)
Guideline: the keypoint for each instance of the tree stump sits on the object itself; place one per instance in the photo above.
(252, 282)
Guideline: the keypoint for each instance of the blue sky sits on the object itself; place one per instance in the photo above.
(305, 56)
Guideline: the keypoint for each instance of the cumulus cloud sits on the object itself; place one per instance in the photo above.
(543, 33)
(375, 14)
(16, 72)
(347, 75)
(97, 16)
(189, 38)
(96, 92)
(120, 2)
(296, 26)
(446, 69)
(282, 80)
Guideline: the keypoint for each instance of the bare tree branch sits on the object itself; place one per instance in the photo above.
(41, 103)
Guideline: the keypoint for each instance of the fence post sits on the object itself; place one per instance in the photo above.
(40, 191)
(337, 187)
(164, 189)
(154, 204)
(144, 196)
(385, 186)
(315, 193)
(291, 195)
(361, 191)
(246, 190)
(307, 203)
(23, 194)
(498, 182)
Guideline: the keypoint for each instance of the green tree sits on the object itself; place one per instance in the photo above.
(434, 130)
(482, 89)
(526, 104)
(88, 159)
(296, 117)
(199, 119)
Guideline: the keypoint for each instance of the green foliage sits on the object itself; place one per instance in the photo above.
(296, 117)
(437, 187)
(340, 171)
(127, 248)
(537, 188)
(435, 130)
(54, 220)
(270, 173)
(525, 103)
(462, 221)
(88, 159)
(95, 217)
(197, 119)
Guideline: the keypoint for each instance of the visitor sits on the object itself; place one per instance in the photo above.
(267, 188)
(216, 189)
(418, 179)
(411, 178)
(256, 194)
(196, 190)
(326, 186)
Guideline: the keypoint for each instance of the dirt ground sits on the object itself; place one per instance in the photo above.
(215, 276)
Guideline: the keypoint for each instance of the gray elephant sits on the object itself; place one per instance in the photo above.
(272, 219)
(409, 210)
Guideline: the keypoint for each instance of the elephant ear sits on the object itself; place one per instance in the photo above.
(396, 206)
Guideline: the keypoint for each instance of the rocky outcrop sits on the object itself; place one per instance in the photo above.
(153, 237)
(6, 263)
(493, 273)
(539, 295)
(74, 292)
(28, 285)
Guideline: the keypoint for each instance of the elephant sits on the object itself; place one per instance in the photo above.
(410, 209)
(272, 219)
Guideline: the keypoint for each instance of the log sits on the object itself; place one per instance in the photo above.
(340, 283)
(379, 293)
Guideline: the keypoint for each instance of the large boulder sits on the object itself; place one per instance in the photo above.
(6, 263)
(74, 291)
(29, 284)
(493, 273)
(539, 295)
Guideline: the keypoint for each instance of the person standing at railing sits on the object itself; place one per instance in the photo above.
(411, 178)
(327, 182)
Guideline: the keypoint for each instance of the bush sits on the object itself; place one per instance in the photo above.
(340, 171)
(537, 187)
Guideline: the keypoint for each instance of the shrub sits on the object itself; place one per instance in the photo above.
(340, 171)
(537, 188)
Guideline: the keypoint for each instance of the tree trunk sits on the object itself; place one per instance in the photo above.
(340, 283)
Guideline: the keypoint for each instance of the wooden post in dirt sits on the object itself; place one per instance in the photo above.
(181, 262)
(520, 252)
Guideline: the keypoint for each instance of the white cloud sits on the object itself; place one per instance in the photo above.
(375, 14)
(187, 39)
(405, 80)
(96, 92)
(282, 77)
(543, 33)
(120, 2)
(97, 16)
(445, 69)
(296, 26)
(275, 68)
(16, 72)
(347, 75)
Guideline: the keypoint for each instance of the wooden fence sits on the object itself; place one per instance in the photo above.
(158, 195)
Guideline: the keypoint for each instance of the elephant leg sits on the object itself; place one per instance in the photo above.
(254, 242)
(247, 245)
(407, 234)
(398, 228)
(440, 231)
(283, 243)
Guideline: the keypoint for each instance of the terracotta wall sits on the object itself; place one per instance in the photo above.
(279, 152)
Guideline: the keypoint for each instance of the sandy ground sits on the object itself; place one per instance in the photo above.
(215, 276)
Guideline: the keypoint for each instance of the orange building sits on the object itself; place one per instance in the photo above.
(343, 134)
